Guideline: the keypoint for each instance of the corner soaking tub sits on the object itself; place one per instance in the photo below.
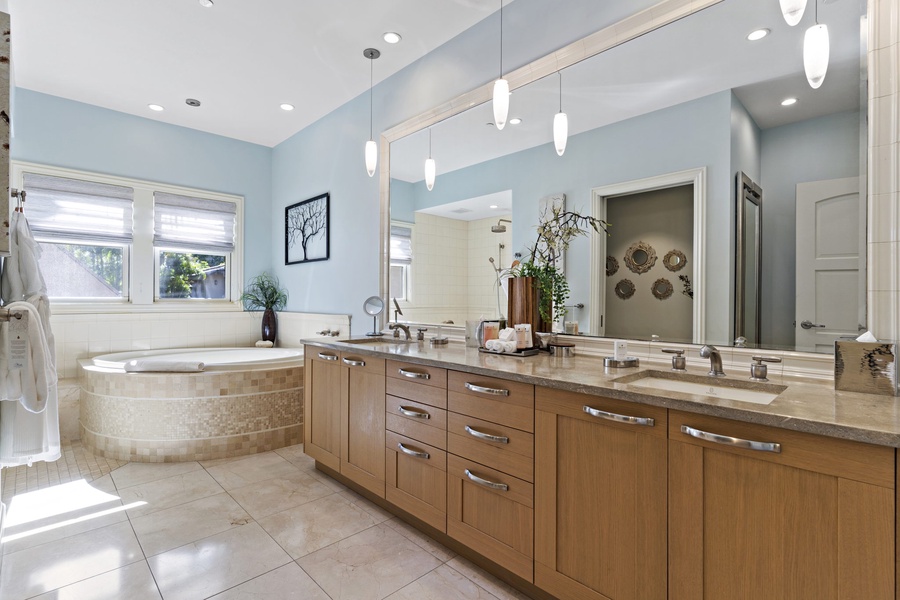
(247, 400)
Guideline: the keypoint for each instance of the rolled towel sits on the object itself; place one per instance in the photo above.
(160, 365)
(500, 346)
(264, 344)
(508, 335)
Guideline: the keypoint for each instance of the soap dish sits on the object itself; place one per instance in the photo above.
(630, 361)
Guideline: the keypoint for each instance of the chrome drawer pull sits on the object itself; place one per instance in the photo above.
(500, 439)
(602, 414)
(415, 453)
(324, 356)
(414, 375)
(488, 484)
(731, 441)
(354, 363)
(413, 413)
(486, 390)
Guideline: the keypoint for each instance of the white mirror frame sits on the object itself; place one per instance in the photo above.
(883, 190)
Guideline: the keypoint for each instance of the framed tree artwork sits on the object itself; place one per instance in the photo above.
(306, 235)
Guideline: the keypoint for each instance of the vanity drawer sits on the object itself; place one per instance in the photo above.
(500, 446)
(399, 418)
(423, 374)
(368, 364)
(627, 416)
(416, 390)
(498, 400)
(416, 479)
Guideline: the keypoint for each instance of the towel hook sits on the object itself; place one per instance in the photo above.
(20, 199)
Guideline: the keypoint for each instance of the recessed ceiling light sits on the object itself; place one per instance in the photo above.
(287, 106)
(391, 37)
(192, 102)
(155, 107)
(788, 101)
(515, 121)
(494, 206)
(758, 34)
(206, 3)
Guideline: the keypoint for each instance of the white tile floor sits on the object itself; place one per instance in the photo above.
(267, 526)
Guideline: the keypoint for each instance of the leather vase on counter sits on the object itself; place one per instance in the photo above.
(524, 306)
(269, 325)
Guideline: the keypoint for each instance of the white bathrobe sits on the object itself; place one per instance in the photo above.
(29, 410)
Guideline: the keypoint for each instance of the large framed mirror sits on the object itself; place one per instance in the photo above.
(712, 106)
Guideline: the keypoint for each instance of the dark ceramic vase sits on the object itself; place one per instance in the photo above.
(269, 325)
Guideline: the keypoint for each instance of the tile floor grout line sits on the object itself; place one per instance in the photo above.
(467, 578)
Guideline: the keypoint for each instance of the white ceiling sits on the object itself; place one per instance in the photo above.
(691, 58)
(241, 58)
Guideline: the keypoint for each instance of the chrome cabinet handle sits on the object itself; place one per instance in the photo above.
(731, 441)
(488, 484)
(602, 414)
(411, 452)
(414, 375)
(500, 439)
(413, 413)
(324, 356)
(354, 363)
(486, 390)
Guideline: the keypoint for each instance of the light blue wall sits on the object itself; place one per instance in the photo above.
(59, 132)
(812, 150)
(328, 155)
(403, 199)
(688, 136)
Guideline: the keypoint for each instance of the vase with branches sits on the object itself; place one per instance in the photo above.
(264, 292)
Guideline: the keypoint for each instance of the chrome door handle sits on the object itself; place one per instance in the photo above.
(411, 452)
(731, 441)
(486, 390)
(324, 356)
(602, 414)
(488, 484)
(354, 363)
(500, 439)
(414, 375)
(413, 413)
(807, 324)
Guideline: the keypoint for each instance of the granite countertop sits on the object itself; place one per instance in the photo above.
(805, 405)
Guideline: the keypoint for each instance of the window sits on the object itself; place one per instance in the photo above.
(193, 240)
(127, 243)
(401, 260)
(86, 230)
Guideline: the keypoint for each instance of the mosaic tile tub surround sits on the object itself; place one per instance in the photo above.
(171, 417)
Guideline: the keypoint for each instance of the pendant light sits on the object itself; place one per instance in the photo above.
(815, 52)
(560, 124)
(430, 168)
(792, 10)
(501, 86)
(371, 146)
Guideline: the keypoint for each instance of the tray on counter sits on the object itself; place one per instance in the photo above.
(523, 352)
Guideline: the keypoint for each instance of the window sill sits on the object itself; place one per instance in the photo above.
(163, 307)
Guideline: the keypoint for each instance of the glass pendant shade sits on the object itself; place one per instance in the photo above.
(815, 54)
(371, 157)
(429, 173)
(501, 102)
(792, 10)
(560, 132)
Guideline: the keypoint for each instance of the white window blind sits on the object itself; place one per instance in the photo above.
(197, 224)
(401, 245)
(73, 209)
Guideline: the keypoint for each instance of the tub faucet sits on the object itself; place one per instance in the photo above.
(715, 360)
(397, 327)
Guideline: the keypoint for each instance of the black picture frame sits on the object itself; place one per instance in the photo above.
(307, 227)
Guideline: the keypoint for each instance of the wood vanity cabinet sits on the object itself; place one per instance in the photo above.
(322, 405)
(343, 414)
(490, 482)
(415, 443)
(600, 497)
(813, 521)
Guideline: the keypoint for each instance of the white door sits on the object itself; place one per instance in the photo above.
(830, 263)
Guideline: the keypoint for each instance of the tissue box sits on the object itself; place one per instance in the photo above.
(869, 367)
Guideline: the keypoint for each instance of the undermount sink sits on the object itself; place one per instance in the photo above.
(379, 340)
(702, 385)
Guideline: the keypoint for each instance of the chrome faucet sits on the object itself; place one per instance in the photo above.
(396, 327)
(715, 360)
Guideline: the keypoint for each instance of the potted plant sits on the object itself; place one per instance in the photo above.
(543, 285)
(266, 294)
